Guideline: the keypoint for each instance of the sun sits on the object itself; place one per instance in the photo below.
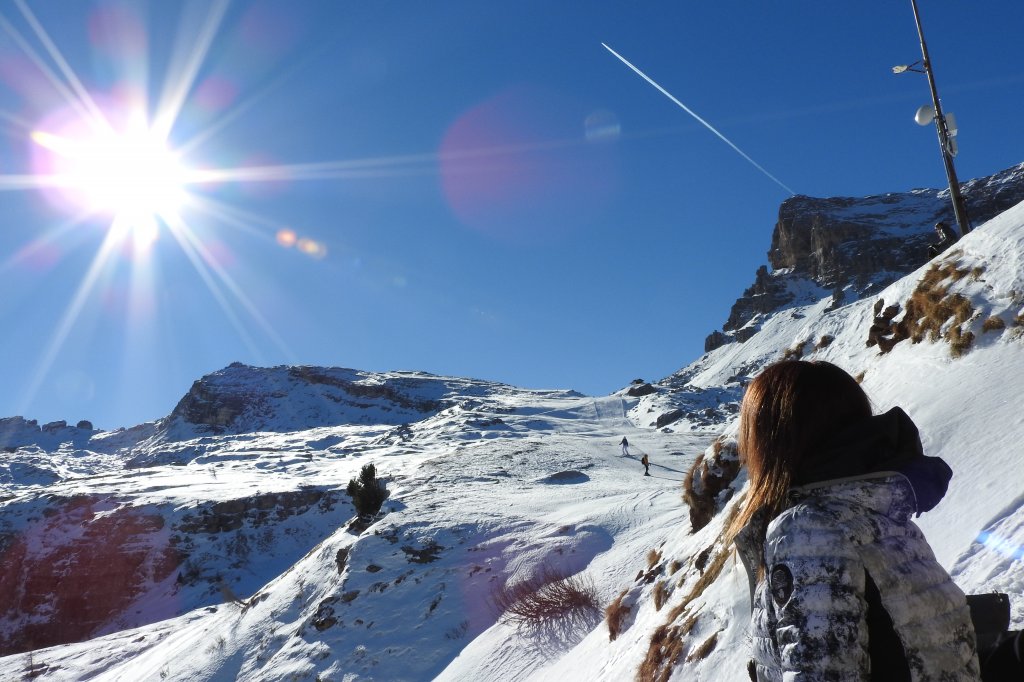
(130, 175)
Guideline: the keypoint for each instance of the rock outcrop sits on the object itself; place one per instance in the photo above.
(16, 432)
(712, 472)
(855, 246)
(72, 572)
(87, 564)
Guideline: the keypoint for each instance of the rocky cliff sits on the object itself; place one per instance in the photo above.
(852, 247)
(75, 567)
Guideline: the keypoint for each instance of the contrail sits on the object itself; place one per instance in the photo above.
(707, 125)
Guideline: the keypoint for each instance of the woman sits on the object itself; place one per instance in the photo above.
(844, 585)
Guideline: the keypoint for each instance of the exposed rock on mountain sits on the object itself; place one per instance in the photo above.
(15, 431)
(240, 399)
(67, 590)
(639, 390)
(855, 246)
(706, 486)
(73, 567)
(18, 432)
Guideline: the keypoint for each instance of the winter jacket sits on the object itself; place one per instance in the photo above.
(845, 560)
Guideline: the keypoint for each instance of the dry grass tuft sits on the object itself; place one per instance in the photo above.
(824, 342)
(667, 643)
(992, 324)
(674, 567)
(615, 614)
(711, 573)
(932, 313)
(702, 651)
(661, 594)
(860, 377)
(664, 651)
(960, 342)
(547, 597)
(977, 272)
(949, 270)
(691, 622)
(653, 557)
(796, 352)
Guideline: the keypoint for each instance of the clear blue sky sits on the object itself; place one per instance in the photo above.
(466, 188)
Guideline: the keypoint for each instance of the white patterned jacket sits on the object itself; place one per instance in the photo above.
(839, 540)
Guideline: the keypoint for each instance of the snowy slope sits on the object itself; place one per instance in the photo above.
(488, 484)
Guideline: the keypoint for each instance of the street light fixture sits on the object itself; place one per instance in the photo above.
(945, 126)
(902, 68)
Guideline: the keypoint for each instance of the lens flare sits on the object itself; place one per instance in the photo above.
(1001, 545)
(601, 125)
(516, 167)
(286, 238)
(312, 248)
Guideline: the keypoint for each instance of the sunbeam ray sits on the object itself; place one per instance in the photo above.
(384, 166)
(237, 110)
(37, 244)
(17, 121)
(61, 89)
(299, 171)
(93, 112)
(140, 292)
(178, 230)
(205, 263)
(70, 316)
(178, 85)
(235, 216)
(10, 183)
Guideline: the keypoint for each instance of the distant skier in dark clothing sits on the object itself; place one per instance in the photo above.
(625, 446)
(647, 465)
(946, 239)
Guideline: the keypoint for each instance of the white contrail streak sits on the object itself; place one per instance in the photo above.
(707, 125)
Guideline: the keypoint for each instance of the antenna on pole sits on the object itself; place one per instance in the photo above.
(944, 126)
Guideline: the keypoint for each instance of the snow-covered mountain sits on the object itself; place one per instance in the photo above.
(216, 543)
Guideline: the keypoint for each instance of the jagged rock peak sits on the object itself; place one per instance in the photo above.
(18, 431)
(851, 247)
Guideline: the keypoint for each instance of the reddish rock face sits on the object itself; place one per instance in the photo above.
(89, 565)
(71, 574)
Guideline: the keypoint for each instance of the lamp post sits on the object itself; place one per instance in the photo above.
(947, 145)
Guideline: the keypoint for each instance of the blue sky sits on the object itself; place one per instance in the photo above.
(465, 188)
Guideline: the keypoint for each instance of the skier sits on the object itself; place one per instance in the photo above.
(647, 465)
(946, 239)
(841, 578)
(625, 446)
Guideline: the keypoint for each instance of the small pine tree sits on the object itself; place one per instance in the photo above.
(367, 493)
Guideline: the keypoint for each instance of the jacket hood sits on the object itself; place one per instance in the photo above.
(883, 443)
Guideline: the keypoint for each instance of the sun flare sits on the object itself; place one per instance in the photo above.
(130, 175)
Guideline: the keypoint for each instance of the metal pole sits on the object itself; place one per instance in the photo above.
(959, 208)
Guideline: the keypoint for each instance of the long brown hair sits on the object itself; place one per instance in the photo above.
(788, 410)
